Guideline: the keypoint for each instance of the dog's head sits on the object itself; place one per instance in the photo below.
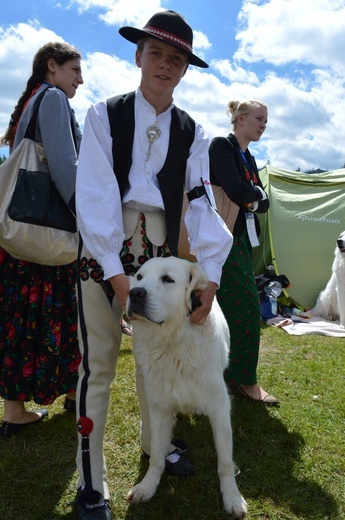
(341, 242)
(163, 289)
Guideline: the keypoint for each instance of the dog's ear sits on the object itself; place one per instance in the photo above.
(197, 280)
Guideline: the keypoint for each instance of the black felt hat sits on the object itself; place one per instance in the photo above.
(168, 27)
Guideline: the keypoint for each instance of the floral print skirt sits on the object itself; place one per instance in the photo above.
(239, 300)
(39, 353)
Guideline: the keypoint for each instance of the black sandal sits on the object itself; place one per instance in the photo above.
(7, 429)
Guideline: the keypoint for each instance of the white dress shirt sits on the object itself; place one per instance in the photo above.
(98, 201)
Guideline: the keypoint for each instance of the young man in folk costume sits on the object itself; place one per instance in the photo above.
(138, 155)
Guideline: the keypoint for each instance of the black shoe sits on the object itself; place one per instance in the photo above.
(7, 429)
(86, 506)
(181, 467)
(70, 405)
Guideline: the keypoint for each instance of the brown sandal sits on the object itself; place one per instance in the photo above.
(269, 400)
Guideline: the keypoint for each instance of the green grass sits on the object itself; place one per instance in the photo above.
(292, 458)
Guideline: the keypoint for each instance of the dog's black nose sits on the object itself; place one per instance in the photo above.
(137, 294)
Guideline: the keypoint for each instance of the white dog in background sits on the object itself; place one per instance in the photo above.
(183, 367)
(331, 301)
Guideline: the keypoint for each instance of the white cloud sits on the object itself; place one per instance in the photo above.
(122, 12)
(200, 41)
(301, 129)
(296, 49)
(280, 32)
(134, 12)
(233, 72)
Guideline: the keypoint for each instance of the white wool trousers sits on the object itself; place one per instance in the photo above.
(100, 336)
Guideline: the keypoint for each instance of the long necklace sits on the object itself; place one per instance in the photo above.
(152, 132)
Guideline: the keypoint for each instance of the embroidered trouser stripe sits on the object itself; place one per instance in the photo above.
(85, 445)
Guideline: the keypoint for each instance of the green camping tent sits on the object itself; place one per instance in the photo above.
(299, 232)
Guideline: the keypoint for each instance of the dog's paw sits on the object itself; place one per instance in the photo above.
(139, 494)
(237, 507)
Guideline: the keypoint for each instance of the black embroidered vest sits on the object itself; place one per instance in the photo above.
(171, 177)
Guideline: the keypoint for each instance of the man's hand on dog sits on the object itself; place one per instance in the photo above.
(206, 298)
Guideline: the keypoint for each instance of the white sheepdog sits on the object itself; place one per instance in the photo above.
(182, 366)
(331, 301)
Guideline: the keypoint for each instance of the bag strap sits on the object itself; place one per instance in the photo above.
(31, 129)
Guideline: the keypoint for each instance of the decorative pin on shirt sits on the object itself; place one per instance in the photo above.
(152, 132)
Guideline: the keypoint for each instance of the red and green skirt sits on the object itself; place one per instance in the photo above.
(39, 351)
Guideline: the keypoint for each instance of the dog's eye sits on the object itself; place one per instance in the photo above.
(166, 279)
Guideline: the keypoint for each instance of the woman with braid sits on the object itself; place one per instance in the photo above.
(39, 353)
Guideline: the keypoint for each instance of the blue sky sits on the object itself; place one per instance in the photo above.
(287, 53)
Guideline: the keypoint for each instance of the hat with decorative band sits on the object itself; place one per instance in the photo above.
(168, 27)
